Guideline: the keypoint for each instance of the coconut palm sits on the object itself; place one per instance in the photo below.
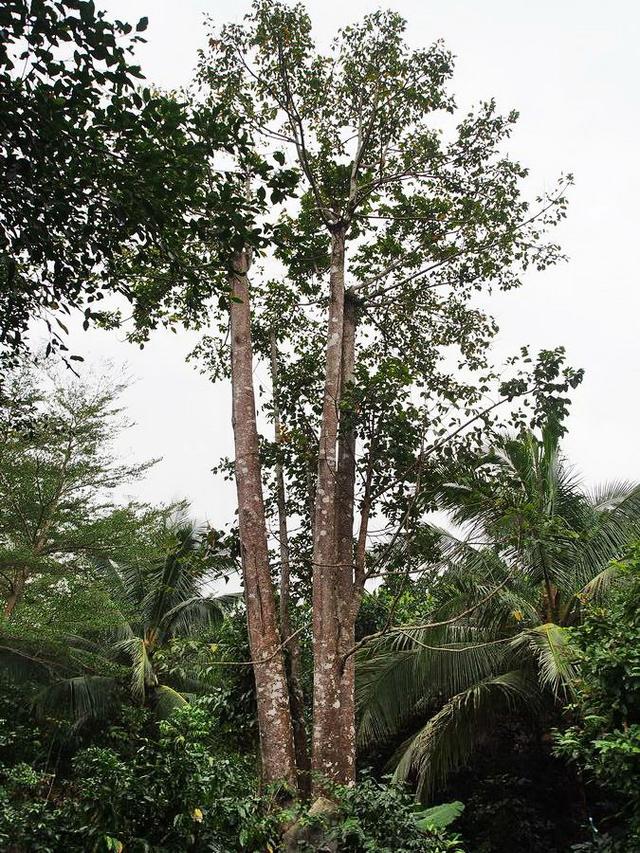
(151, 604)
(534, 547)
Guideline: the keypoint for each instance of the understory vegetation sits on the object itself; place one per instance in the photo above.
(507, 706)
(420, 629)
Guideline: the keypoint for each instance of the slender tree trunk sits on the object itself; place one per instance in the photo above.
(15, 595)
(274, 715)
(292, 650)
(363, 530)
(333, 755)
(22, 575)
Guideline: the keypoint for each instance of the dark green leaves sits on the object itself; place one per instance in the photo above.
(103, 188)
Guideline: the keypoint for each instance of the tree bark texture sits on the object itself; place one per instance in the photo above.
(274, 714)
(333, 612)
(15, 594)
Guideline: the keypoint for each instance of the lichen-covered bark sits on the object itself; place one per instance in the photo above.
(274, 715)
(333, 754)
(347, 605)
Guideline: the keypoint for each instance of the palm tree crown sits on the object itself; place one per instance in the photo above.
(534, 546)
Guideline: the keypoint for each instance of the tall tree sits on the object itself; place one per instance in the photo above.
(395, 231)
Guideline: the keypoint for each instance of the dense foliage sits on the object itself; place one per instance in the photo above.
(604, 739)
(100, 174)
(175, 786)
(58, 477)
(112, 653)
(136, 785)
(535, 547)
(103, 655)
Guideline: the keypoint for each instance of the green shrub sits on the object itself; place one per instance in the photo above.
(171, 789)
(379, 818)
(603, 740)
(168, 787)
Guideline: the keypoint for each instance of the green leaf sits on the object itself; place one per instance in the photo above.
(439, 817)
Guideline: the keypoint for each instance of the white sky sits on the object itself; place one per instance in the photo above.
(572, 69)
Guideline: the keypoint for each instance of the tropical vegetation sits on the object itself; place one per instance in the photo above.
(418, 632)
(535, 548)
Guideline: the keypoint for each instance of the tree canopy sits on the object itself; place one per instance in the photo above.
(97, 170)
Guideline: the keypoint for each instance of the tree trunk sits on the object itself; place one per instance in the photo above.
(292, 650)
(274, 715)
(22, 575)
(333, 724)
(15, 595)
(348, 604)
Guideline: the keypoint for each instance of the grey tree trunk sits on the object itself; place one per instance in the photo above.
(333, 755)
(348, 605)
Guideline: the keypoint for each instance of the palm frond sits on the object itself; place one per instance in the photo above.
(599, 585)
(447, 740)
(195, 612)
(525, 518)
(166, 701)
(80, 699)
(79, 643)
(616, 525)
(550, 648)
(142, 674)
(171, 583)
(22, 664)
(401, 677)
(609, 496)
(125, 581)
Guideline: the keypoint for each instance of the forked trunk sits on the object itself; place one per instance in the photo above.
(272, 694)
(23, 574)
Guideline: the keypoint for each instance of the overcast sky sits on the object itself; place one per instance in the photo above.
(572, 69)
